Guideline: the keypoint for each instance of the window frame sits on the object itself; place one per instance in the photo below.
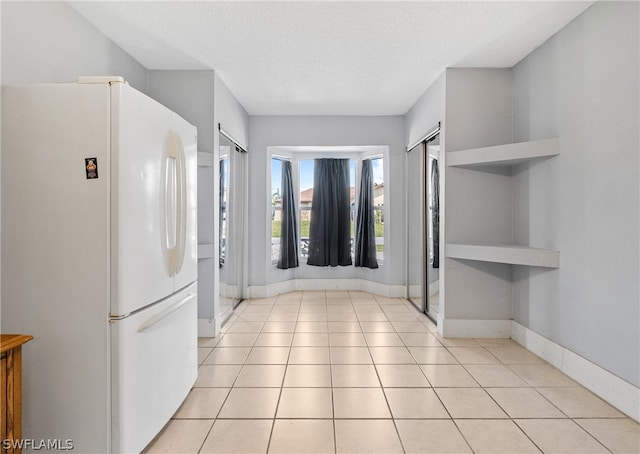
(295, 154)
(372, 156)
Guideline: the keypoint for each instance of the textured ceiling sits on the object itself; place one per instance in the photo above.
(328, 58)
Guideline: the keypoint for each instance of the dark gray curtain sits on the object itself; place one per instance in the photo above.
(289, 226)
(435, 212)
(365, 253)
(329, 230)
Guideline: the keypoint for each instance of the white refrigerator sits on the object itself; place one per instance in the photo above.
(99, 261)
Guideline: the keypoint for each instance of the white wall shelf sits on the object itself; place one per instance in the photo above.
(503, 155)
(205, 251)
(205, 159)
(510, 254)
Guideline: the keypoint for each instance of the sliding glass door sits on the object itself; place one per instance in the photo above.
(423, 226)
(415, 225)
(231, 225)
(432, 221)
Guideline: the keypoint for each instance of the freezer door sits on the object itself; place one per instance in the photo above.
(152, 204)
(154, 365)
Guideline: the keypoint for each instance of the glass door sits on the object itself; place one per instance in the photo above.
(415, 225)
(423, 238)
(231, 225)
(432, 221)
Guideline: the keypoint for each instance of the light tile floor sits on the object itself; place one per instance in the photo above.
(350, 372)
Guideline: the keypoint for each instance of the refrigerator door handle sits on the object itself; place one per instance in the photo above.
(156, 318)
(176, 201)
(181, 219)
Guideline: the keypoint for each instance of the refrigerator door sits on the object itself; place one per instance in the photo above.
(154, 365)
(187, 265)
(151, 224)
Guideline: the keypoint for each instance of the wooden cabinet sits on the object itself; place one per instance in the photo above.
(11, 387)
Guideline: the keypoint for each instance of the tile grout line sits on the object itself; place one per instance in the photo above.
(284, 376)
(215, 419)
(447, 348)
(333, 401)
(386, 399)
(509, 417)
(454, 420)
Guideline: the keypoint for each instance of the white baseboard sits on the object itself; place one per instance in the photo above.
(451, 327)
(440, 324)
(278, 288)
(616, 391)
(207, 327)
(415, 291)
(390, 291)
(267, 291)
(326, 284)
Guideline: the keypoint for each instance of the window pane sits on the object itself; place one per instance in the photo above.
(276, 207)
(378, 204)
(306, 198)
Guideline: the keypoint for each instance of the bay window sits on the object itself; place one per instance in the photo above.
(303, 165)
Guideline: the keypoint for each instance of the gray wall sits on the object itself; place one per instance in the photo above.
(425, 114)
(233, 117)
(203, 99)
(51, 42)
(582, 86)
(479, 207)
(329, 131)
(422, 118)
(234, 121)
(191, 94)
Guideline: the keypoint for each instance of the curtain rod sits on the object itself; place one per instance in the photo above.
(239, 147)
(426, 138)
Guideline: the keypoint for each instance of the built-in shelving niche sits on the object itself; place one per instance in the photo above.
(504, 156)
(205, 163)
(510, 254)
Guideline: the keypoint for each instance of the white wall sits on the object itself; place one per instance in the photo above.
(327, 131)
(582, 86)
